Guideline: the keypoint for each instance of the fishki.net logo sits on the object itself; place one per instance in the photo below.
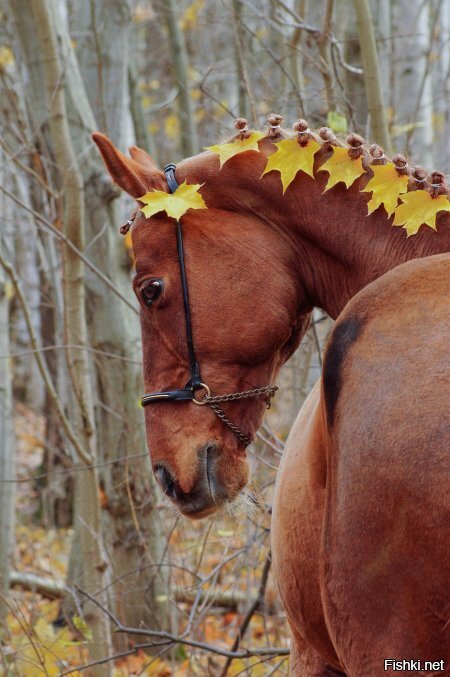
(413, 665)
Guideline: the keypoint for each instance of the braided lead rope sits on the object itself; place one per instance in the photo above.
(212, 400)
(267, 390)
(223, 417)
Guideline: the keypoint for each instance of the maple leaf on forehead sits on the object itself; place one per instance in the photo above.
(341, 167)
(225, 151)
(291, 158)
(419, 208)
(174, 204)
(386, 186)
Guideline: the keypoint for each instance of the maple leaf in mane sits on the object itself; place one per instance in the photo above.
(225, 151)
(386, 186)
(291, 158)
(341, 167)
(419, 208)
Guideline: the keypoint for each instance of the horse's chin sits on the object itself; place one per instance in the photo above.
(202, 513)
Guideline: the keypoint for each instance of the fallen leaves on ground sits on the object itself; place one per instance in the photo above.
(42, 650)
(34, 646)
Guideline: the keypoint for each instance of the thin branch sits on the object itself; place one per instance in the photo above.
(315, 31)
(114, 657)
(220, 103)
(71, 246)
(257, 604)
(13, 157)
(277, 61)
(72, 469)
(71, 346)
(176, 639)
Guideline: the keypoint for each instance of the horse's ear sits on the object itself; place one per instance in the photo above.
(135, 175)
(141, 156)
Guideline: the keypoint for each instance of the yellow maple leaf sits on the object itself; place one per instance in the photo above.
(225, 151)
(341, 167)
(290, 158)
(386, 185)
(419, 208)
(174, 204)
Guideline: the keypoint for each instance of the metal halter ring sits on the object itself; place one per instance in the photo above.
(205, 399)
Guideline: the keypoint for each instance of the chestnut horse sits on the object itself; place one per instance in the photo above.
(359, 512)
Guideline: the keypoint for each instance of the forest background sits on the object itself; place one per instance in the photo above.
(96, 569)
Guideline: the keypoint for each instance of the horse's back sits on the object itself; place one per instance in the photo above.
(385, 395)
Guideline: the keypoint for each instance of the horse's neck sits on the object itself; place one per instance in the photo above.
(339, 249)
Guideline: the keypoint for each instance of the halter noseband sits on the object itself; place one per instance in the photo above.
(195, 382)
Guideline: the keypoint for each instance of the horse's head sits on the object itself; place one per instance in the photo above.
(248, 315)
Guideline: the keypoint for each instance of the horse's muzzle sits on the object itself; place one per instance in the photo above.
(206, 496)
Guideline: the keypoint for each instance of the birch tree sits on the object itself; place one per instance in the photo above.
(413, 95)
(188, 129)
(91, 542)
(130, 521)
(7, 444)
(374, 94)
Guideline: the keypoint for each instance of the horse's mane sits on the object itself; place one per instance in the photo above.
(371, 154)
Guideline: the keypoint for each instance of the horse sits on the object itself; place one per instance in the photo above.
(359, 517)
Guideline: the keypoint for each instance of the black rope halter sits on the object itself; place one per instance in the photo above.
(195, 382)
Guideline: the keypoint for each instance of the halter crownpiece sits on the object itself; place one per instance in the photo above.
(195, 384)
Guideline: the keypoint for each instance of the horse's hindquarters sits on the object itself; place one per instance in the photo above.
(361, 511)
(298, 511)
(385, 566)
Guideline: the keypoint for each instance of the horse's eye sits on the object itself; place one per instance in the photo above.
(151, 291)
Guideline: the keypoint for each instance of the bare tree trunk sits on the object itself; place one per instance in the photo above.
(441, 87)
(383, 18)
(7, 443)
(413, 100)
(143, 138)
(375, 102)
(131, 524)
(296, 58)
(324, 52)
(188, 128)
(88, 513)
(243, 103)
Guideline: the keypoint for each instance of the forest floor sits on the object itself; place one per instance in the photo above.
(235, 547)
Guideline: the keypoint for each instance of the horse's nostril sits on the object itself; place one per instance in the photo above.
(210, 448)
(166, 480)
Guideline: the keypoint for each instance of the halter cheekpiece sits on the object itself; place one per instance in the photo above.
(195, 383)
